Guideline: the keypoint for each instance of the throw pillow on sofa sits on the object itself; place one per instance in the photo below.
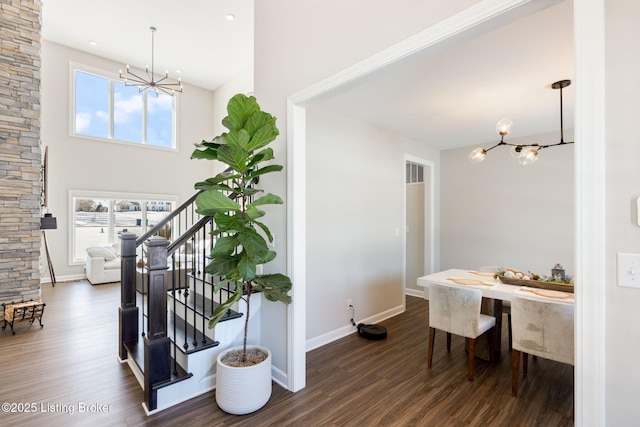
(102, 252)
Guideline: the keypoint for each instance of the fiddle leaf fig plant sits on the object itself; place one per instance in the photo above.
(233, 201)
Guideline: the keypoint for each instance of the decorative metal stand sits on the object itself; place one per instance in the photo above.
(18, 312)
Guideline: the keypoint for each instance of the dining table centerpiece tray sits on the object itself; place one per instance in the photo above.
(535, 282)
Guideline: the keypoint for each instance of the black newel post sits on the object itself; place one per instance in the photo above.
(157, 346)
(128, 312)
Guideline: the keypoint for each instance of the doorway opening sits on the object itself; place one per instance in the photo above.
(419, 236)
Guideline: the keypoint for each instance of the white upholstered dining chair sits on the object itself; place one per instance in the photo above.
(456, 310)
(543, 328)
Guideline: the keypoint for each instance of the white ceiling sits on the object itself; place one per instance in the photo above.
(454, 98)
(448, 99)
(192, 36)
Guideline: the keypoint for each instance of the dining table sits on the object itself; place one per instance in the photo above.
(494, 292)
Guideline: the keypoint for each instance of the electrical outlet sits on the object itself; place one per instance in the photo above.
(349, 303)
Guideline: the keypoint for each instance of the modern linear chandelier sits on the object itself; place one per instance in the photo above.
(525, 153)
(132, 79)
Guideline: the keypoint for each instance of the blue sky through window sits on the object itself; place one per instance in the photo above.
(93, 118)
(127, 113)
(92, 105)
(159, 119)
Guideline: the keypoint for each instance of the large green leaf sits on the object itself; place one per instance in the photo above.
(221, 284)
(224, 247)
(209, 185)
(226, 122)
(260, 156)
(218, 140)
(218, 182)
(266, 169)
(238, 138)
(254, 244)
(254, 213)
(258, 120)
(211, 202)
(207, 154)
(267, 199)
(274, 287)
(229, 223)
(224, 176)
(206, 186)
(246, 267)
(222, 309)
(263, 136)
(210, 144)
(221, 266)
(208, 149)
(265, 229)
(239, 109)
(236, 157)
(269, 256)
(249, 191)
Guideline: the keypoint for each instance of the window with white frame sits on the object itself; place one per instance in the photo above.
(98, 218)
(106, 108)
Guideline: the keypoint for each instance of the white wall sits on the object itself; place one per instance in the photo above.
(81, 164)
(296, 45)
(622, 190)
(355, 183)
(499, 212)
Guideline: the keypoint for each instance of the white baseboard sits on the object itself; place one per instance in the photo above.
(279, 377)
(347, 330)
(61, 279)
(414, 292)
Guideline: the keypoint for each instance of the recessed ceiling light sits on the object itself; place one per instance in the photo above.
(93, 43)
(230, 16)
(179, 71)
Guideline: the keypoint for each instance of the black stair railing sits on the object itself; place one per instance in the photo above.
(157, 345)
(150, 270)
(155, 269)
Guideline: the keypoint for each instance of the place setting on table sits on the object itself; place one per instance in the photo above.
(470, 282)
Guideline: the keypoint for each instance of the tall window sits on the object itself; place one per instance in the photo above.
(99, 218)
(106, 108)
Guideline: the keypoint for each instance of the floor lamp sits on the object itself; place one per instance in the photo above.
(48, 222)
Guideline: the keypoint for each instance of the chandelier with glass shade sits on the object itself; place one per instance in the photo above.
(525, 153)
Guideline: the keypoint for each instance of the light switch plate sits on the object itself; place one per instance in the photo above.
(629, 270)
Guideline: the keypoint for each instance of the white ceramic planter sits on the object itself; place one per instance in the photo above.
(243, 390)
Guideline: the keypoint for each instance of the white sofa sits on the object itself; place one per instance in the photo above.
(103, 264)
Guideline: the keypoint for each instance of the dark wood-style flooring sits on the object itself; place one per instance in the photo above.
(55, 374)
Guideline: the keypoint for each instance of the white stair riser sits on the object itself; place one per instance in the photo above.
(202, 364)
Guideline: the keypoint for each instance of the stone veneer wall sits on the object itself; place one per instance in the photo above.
(20, 150)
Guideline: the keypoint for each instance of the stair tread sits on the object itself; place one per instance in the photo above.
(135, 349)
(202, 305)
(187, 339)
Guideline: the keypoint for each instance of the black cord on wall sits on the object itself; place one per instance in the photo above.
(353, 312)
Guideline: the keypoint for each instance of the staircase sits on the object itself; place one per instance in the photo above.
(166, 302)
